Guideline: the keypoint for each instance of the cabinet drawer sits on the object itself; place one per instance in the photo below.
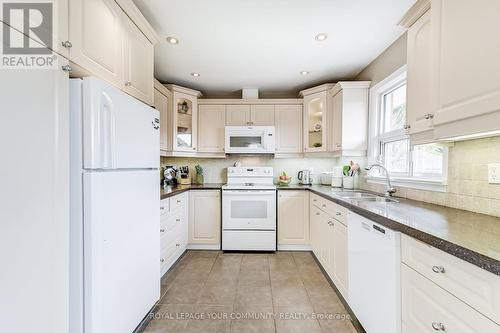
(336, 211)
(428, 308)
(473, 285)
(164, 206)
(171, 251)
(172, 220)
(178, 202)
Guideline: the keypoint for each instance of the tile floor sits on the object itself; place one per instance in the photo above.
(211, 291)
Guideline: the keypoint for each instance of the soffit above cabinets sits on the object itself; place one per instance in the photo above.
(235, 44)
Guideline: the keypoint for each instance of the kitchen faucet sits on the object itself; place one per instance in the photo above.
(389, 189)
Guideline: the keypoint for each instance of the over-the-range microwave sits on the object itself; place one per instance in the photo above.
(249, 140)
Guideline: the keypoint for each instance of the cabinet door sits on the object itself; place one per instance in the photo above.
(293, 218)
(428, 308)
(314, 122)
(336, 128)
(161, 103)
(185, 122)
(340, 272)
(204, 217)
(237, 115)
(138, 63)
(465, 58)
(211, 122)
(262, 115)
(288, 120)
(418, 89)
(95, 30)
(314, 220)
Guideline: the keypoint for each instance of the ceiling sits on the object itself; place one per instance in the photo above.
(265, 44)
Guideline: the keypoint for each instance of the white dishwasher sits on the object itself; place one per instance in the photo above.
(374, 275)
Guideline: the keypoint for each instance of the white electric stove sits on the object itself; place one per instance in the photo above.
(249, 210)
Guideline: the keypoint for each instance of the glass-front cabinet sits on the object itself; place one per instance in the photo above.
(184, 119)
(315, 113)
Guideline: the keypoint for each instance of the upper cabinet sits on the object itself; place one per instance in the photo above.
(163, 103)
(211, 122)
(418, 101)
(105, 42)
(348, 118)
(453, 69)
(250, 114)
(288, 121)
(315, 118)
(138, 63)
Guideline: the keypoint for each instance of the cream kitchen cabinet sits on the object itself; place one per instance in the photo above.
(293, 220)
(288, 122)
(138, 53)
(347, 118)
(204, 219)
(465, 67)
(97, 36)
(329, 239)
(419, 118)
(315, 119)
(173, 230)
(428, 308)
(184, 120)
(237, 115)
(250, 114)
(211, 122)
(103, 41)
(163, 103)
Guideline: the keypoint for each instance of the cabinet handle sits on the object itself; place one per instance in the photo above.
(438, 326)
(194, 148)
(431, 115)
(338, 145)
(128, 84)
(338, 213)
(177, 220)
(323, 205)
(406, 126)
(162, 208)
(317, 213)
(330, 223)
(314, 200)
(427, 116)
(67, 68)
(438, 269)
(162, 230)
(162, 260)
(67, 44)
(177, 244)
(178, 201)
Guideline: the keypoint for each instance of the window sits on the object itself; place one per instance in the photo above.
(409, 165)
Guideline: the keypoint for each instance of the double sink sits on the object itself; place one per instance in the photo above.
(363, 196)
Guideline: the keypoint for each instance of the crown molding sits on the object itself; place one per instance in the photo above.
(316, 89)
(414, 13)
(139, 20)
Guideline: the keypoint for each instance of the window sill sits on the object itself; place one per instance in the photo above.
(416, 183)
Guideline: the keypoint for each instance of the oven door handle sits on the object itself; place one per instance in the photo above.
(248, 192)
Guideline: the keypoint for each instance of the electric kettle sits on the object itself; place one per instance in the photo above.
(304, 177)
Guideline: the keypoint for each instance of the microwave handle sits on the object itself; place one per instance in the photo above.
(299, 175)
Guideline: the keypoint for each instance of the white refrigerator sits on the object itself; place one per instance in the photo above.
(114, 240)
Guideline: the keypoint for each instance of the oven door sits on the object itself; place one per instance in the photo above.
(249, 210)
(249, 140)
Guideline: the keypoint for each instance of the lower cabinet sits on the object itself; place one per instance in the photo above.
(173, 230)
(204, 219)
(428, 308)
(329, 241)
(293, 220)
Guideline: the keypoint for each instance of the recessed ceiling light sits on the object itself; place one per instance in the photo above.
(321, 37)
(304, 73)
(195, 74)
(172, 40)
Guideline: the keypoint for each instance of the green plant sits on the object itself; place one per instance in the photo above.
(199, 169)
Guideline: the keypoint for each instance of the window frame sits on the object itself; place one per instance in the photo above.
(377, 140)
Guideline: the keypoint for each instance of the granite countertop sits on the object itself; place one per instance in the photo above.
(169, 191)
(470, 236)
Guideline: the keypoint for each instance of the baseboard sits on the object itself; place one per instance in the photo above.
(203, 246)
(354, 319)
(288, 247)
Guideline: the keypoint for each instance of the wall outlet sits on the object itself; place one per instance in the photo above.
(494, 173)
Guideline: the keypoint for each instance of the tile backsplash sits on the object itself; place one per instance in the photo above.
(467, 189)
(468, 186)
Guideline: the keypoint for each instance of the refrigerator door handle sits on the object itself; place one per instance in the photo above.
(107, 132)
